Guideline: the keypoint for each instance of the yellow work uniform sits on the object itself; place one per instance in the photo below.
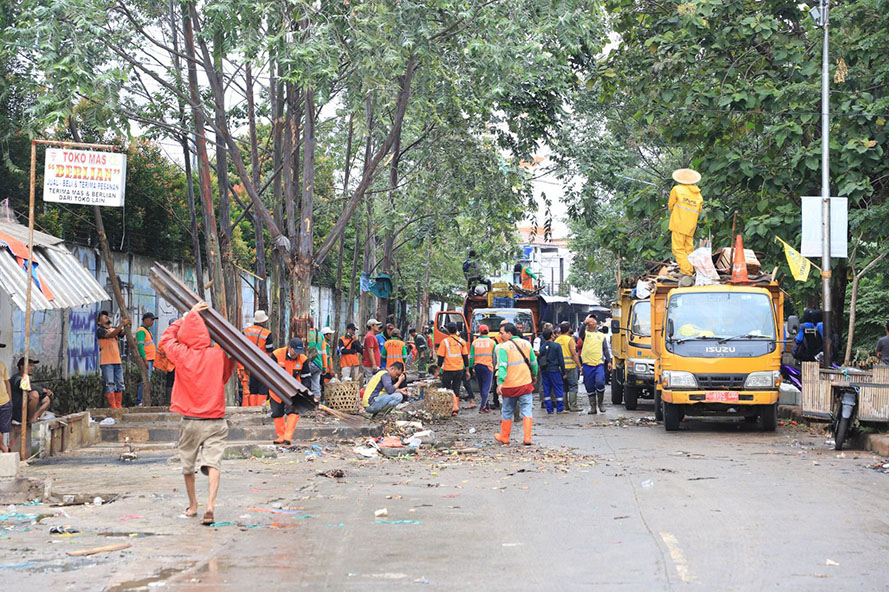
(685, 205)
(594, 348)
(569, 347)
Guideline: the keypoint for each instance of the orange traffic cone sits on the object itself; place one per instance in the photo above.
(739, 265)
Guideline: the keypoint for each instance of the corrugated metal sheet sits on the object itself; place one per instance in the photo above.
(71, 284)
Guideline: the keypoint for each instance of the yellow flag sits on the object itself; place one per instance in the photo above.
(799, 265)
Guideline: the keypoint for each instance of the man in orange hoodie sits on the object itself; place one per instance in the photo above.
(199, 397)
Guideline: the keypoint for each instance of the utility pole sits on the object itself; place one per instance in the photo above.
(825, 185)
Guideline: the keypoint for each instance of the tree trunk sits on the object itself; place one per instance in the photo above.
(853, 303)
(350, 316)
(338, 288)
(214, 259)
(262, 302)
(305, 264)
(838, 301)
(278, 304)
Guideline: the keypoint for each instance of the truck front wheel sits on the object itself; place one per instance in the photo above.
(631, 397)
(672, 416)
(617, 386)
(658, 406)
(769, 416)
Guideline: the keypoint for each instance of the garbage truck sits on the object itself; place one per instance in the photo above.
(718, 350)
(632, 373)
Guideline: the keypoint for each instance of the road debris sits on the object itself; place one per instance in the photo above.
(332, 473)
(95, 550)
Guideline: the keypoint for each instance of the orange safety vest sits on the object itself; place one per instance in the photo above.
(527, 280)
(517, 371)
(148, 345)
(291, 367)
(394, 351)
(258, 335)
(452, 349)
(109, 351)
(483, 350)
(348, 360)
(162, 362)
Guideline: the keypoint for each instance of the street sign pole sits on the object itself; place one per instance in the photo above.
(825, 186)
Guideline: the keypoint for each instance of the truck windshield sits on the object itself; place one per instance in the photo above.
(641, 325)
(521, 319)
(721, 315)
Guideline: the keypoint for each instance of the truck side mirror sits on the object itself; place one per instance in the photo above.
(615, 326)
(792, 325)
(670, 329)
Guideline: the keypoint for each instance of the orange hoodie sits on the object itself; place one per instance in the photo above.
(201, 369)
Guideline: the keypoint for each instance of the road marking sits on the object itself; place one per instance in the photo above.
(678, 558)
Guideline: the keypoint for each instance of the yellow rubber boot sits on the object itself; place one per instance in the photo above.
(505, 429)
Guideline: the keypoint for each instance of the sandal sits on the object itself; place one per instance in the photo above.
(188, 514)
(208, 519)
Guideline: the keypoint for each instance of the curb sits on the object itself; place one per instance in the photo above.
(876, 443)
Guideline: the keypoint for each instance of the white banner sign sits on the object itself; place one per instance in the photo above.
(839, 227)
(84, 177)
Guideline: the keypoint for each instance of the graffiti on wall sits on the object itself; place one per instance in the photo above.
(46, 335)
(83, 348)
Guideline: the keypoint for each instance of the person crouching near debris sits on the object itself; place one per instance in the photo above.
(685, 204)
(516, 370)
(295, 363)
(382, 394)
(199, 397)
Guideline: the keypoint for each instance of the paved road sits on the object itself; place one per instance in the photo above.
(711, 507)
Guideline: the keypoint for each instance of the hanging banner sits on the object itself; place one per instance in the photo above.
(84, 177)
(799, 265)
(839, 227)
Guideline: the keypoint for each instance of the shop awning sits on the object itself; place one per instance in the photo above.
(60, 281)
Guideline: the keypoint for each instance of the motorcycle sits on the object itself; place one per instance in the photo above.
(845, 414)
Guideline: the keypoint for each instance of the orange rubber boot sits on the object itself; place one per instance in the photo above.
(455, 408)
(290, 425)
(526, 424)
(279, 430)
(505, 429)
(110, 398)
(118, 397)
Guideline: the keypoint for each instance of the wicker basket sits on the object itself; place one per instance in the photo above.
(343, 396)
(438, 401)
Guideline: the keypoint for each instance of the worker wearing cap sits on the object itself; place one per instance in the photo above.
(109, 357)
(294, 362)
(382, 338)
(145, 345)
(572, 364)
(371, 359)
(259, 335)
(349, 350)
(394, 349)
(481, 359)
(685, 205)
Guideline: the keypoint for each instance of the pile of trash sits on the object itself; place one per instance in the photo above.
(398, 438)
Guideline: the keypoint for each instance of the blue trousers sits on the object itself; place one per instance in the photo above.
(594, 379)
(112, 376)
(484, 375)
(382, 401)
(150, 364)
(525, 403)
(553, 390)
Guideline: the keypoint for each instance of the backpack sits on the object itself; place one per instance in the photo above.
(466, 266)
(810, 346)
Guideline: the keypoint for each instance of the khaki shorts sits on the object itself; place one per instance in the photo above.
(204, 438)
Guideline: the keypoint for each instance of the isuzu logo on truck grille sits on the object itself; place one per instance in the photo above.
(719, 349)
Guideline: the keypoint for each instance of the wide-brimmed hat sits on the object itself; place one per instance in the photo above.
(260, 317)
(686, 176)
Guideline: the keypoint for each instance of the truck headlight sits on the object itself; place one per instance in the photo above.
(640, 368)
(674, 379)
(766, 380)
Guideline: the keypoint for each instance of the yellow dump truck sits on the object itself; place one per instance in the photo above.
(718, 351)
(632, 373)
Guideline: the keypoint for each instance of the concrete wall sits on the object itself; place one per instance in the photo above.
(65, 340)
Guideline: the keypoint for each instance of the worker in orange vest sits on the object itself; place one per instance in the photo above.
(453, 357)
(293, 360)
(109, 358)
(481, 359)
(685, 205)
(261, 337)
(394, 349)
(145, 345)
(524, 275)
(349, 350)
(516, 370)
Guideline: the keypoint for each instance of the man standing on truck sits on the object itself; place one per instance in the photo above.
(516, 370)
(596, 359)
(572, 364)
(685, 204)
(523, 275)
